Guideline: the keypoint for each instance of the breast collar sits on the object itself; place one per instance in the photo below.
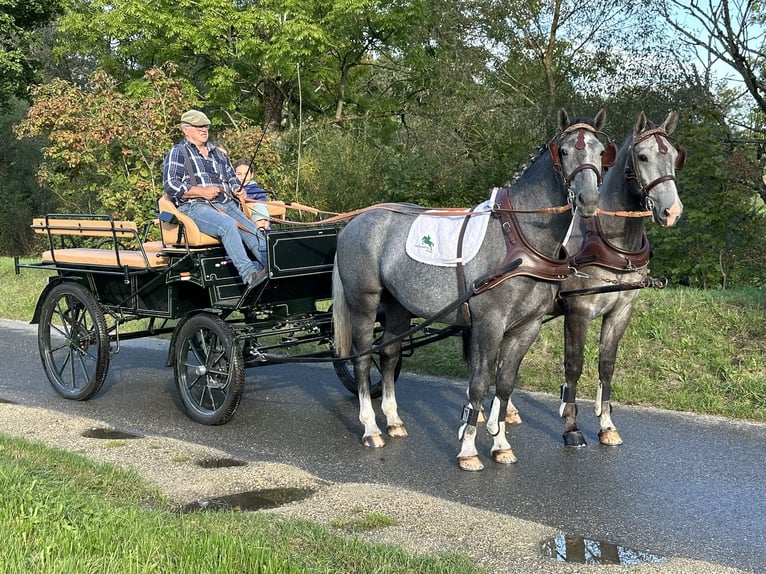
(597, 250)
(521, 256)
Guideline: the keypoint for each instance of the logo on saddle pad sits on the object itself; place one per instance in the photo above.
(427, 243)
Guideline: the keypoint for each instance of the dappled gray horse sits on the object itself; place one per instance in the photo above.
(513, 280)
(612, 256)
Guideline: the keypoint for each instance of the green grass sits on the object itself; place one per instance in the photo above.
(685, 349)
(63, 514)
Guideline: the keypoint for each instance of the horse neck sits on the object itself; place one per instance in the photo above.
(615, 195)
(540, 187)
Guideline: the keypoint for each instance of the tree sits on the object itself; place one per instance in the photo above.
(250, 56)
(105, 148)
(19, 20)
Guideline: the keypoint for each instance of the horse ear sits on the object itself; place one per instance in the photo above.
(609, 155)
(600, 119)
(681, 157)
(563, 119)
(640, 123)
(671, 122)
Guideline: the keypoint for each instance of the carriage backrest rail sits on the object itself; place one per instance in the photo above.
(70, 228)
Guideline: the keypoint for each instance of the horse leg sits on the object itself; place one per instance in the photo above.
(612, 329)
(513, 349)
(362, 327)
(484, 347)
(397, 321)
(512, 416)
(575, 333)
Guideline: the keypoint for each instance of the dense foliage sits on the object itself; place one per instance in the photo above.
(428, 101)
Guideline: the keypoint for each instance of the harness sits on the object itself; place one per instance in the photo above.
(598, 250)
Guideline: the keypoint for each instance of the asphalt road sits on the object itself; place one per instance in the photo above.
(681, 485)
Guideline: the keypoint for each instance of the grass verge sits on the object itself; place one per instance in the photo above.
(64, 514)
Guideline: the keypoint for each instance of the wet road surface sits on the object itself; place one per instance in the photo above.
(681, 485)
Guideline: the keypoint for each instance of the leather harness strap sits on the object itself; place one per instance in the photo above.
(461, 283)
(520, 257)
(597, 250)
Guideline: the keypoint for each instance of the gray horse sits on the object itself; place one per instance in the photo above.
(511, 282)
(612, 261)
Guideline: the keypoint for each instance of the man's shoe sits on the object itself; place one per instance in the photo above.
(257, 277)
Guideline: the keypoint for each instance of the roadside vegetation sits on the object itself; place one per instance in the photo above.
(62, 514)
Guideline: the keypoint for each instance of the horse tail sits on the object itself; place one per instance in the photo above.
(341, 319)
(466, 337)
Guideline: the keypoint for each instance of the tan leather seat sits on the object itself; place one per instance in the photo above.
(180, 230)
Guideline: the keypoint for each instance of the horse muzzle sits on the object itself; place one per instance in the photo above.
(665, 216)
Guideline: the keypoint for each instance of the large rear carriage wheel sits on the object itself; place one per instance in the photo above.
(73, 341)
(209, 369)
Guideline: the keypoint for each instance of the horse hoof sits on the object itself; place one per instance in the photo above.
(504, 456)
(373, 441)
(610, 437)
(471, 463)
(574, 438)
(396, 431)
(512, 418)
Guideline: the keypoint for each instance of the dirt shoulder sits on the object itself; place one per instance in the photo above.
(424, 524)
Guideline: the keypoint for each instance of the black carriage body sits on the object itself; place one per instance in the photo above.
(105, 275)
(300, 261)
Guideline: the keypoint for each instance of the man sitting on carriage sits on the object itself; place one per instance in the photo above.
(202, 183)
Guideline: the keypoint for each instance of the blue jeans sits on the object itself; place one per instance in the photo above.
(220, 220)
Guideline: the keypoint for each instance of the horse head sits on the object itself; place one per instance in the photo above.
(580, 152)
(651, 168)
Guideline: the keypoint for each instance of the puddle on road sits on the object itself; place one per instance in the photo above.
(579, 550)
(219, 462)
(108, 434)
(252, 500)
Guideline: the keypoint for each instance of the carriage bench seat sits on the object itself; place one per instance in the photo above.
(178, 229)
(150, 255)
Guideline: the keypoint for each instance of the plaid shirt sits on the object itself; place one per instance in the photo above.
(214, 171)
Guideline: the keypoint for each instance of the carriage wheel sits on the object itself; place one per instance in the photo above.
(209, 369)
(345, 372)
(73, 341)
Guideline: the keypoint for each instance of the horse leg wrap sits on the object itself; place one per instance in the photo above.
(567, 398)
(493, 421)
(469, 418)
(470, 415)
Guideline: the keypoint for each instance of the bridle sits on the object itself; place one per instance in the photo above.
(631, 174)
(607, 159)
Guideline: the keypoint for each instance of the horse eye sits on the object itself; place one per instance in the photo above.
(642, 157)
(564, 152)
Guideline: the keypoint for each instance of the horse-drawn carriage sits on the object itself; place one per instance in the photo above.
(538, 241)
(109, 284)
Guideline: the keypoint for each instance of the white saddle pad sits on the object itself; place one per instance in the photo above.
(433, 238)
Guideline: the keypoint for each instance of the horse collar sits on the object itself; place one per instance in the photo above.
(532, 262)
(598, 250)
